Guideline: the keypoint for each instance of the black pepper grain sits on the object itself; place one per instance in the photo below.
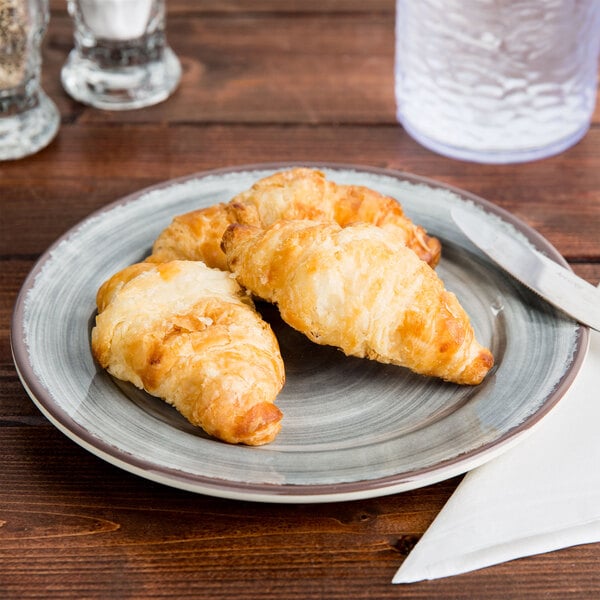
(14, 28)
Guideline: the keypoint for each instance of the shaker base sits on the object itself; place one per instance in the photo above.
(29, 131)
(491, 156)
(123, 87)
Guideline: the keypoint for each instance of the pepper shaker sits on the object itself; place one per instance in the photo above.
(29, 120)
(121, 59)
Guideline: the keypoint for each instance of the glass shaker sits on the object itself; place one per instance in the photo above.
(121, 58)
(29, 120)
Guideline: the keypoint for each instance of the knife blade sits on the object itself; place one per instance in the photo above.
(554, 283)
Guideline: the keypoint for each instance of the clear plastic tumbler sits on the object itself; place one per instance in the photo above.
(497, 81)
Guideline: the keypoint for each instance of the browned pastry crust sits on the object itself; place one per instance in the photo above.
(190, 335)
(294, 194)
(194, 236)
(359, 288)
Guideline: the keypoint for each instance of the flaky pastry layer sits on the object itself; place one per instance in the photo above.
(361, 289)
(190, 335)
(299, 193)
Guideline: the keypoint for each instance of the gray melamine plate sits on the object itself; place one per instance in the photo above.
(352, 428)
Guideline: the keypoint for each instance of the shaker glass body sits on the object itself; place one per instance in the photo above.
(29, 120)
(121, 59)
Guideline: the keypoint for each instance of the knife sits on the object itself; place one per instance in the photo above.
(553, 282)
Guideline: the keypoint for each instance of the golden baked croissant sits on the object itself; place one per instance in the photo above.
(359, 288)
(294, 194)
(190, 335)
(194, 236)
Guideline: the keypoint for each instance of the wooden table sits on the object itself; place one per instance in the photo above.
(263, 81)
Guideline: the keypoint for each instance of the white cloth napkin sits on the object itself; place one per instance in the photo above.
(542, 495)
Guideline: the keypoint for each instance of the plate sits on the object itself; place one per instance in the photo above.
(352, 428)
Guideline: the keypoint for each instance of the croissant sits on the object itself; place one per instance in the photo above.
(294, 194)
(194, 236)
(361, 289)
(190, 335)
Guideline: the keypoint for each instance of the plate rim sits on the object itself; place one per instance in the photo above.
(286, 492)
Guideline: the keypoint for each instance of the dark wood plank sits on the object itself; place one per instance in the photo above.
(203, 7)
(88, 167)
(304, 68)
(86, 529)
(73, 527)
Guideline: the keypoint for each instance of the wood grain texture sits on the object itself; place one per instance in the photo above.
(202, 7)
(76, 527)
(253, 68)
(91, 165)
(263, 81)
